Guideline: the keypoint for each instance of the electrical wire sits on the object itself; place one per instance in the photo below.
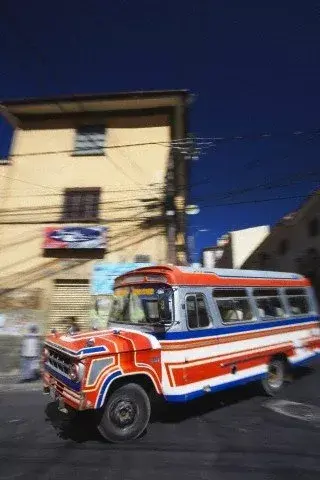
(107, 147)
(150, 217)
(181, 143)
(299, 177)
(121, 170)
(252, 202)
(120, 190)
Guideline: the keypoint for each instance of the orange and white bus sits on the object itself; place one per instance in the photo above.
(183, 333)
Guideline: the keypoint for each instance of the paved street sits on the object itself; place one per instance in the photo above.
(230, 436)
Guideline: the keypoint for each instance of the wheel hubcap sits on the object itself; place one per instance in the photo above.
(275, 376)
(123, 413)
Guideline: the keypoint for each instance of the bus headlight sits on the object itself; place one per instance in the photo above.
(76, 372)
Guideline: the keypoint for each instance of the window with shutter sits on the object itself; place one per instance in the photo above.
(81, 204)
(142, 258)
(90, 140)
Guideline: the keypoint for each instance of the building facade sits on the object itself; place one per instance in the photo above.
(88, 179)
(234, 248)
(293, 244)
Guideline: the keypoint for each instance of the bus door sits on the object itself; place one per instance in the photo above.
(202, 348)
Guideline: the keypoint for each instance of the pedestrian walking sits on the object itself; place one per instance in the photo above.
(30, 354)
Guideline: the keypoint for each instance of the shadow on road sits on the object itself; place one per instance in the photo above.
(81, 426)
(302, 371)
(176, 413)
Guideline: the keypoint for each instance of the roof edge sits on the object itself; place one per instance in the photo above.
(95, 96)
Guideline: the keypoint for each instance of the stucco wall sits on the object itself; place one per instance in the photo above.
(34, 193)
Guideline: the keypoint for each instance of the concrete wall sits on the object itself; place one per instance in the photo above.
(240, 245)
(244, 242)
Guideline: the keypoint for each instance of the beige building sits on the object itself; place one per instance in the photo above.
(234, 248)
(89, 178)
(293, 243)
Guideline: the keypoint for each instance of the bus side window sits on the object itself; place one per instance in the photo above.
(197, 314)
(233, 305)
(269, 303)
(298, 301)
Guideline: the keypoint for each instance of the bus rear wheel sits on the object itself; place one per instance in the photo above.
(126, 414)
(275, 380)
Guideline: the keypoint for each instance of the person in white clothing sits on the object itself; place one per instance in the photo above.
(30, 354)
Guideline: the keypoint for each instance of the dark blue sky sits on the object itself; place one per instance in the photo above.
(252, 66)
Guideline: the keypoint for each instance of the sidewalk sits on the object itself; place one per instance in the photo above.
(11, 382)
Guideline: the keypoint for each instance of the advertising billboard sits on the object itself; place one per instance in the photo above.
(75, 237)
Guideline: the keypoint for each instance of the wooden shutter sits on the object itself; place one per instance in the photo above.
(90, 140)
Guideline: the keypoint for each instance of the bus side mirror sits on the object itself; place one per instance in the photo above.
(164, 307)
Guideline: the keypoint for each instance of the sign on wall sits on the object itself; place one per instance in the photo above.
(75, 237)
(104, 275)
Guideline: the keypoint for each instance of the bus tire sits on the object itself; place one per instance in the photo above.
(275, 380)
(126, 414)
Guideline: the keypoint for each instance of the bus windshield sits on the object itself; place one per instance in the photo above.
(135, 305)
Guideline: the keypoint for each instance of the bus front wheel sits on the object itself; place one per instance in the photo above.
(126, 414)
(275, 378)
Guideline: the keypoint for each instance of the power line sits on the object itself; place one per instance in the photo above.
(27, 182)
(271, 199)
(107, 147)
(184, 144)
(157, 202)
(121, 170)
(153, 187)
(256, 136)
(120, 190)
(297, 178)
(150, 217)
(133, 163)
(102, 221)
(111, 203)
(40, 212)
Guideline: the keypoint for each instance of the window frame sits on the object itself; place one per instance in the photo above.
(82, 153)
(78, 219)
(204, 297)
(246, 297)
